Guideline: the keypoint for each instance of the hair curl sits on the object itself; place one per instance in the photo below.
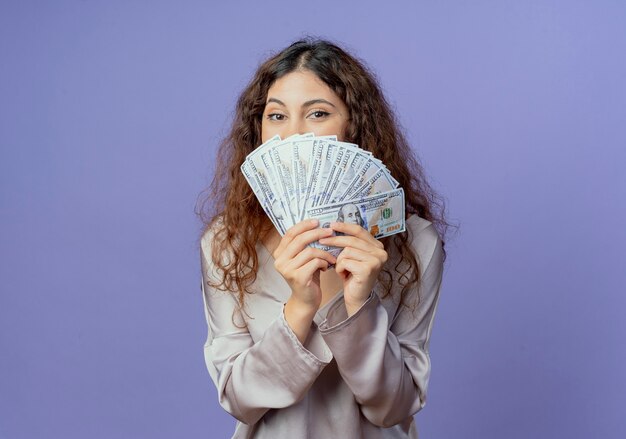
(372, 125)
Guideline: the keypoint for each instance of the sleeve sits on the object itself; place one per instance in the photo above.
(387, 367)
(253, 377)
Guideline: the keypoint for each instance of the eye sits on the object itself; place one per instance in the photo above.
(318, 114)
(275, 116)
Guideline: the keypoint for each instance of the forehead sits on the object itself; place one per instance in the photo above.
(302, 84)
(350, 208)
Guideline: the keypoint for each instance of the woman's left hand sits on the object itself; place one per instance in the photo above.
(358, 264)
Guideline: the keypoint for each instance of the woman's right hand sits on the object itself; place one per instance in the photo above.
(300, 265)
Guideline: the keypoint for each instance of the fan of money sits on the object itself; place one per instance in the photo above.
(306, 176)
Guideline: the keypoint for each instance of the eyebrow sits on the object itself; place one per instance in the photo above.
(306, 104)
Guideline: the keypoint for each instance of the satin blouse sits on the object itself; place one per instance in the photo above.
(362, 376)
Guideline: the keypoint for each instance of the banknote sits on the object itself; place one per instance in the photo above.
(258, 180)
(301, 161)
(302, 156)
(333, 171)
(363, 174)
(319, 154)
(290, 177)
(255, 180)
(356, 160)
(341, 161)
(381, 215)
(329, 150)
(377, 183)
(281, 155)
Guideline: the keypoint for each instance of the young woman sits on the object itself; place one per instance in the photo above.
(294, 348)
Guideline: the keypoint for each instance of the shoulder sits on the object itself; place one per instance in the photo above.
(424, 240)
(416, 224)
(210, 236)
(210, 241)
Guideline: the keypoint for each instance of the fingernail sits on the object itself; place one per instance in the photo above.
(313, 221)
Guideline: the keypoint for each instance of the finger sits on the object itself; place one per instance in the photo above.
(349, 241)
(355, 230)
(359, 268)
(360, 262)
(297, 244)
(308, 270)
(345, 267)
(294, 231)
(307, 254)
(356, 255)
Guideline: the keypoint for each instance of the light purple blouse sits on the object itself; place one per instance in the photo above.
(362, 376)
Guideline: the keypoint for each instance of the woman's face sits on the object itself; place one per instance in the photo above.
(299, 103)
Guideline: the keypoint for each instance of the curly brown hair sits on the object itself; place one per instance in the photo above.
(372, 125)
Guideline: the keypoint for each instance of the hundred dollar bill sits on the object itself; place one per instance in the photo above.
(313, 174)
(278, 201)
(257, 176)
(326, 191)
(301, 161)
(379, 182)
(341, 161)
(368, 168)
(381, 215)
(281, 156)
(355, 162)
(257, 182)
(329, 150)
(302, 158)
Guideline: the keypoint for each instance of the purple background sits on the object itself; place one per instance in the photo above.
(110, 113)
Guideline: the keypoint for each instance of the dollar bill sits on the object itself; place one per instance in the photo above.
(329, 150)
(301, 161)
(337, 157)
(281, 156)
(368, 168)
(256, 182)
(291, 177)
(381, 215)
(355, 160)
(341, 162)
(302, 157)
(377, 183)
(316, 166)
(256, 174)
